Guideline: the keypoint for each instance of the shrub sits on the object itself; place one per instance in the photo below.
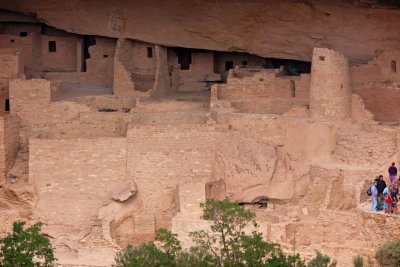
(26, 247)
(225, 243)
(358, 261)
(388, 254)
(321, 260)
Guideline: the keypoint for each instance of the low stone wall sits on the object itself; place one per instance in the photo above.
(377, 225)
(120, 103)
(382, 99)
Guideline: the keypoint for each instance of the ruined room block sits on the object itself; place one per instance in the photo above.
(330, 91)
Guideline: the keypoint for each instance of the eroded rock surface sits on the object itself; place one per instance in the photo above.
(269, 29)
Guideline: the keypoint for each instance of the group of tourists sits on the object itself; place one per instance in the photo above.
(385, 197)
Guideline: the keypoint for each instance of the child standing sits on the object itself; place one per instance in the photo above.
(388, 201)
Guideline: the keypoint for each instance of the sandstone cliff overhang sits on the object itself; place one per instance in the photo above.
(274, 28)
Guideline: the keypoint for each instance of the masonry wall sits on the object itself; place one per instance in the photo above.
(162, 83)
(123, 84)
(365, 74)
(9, 142)
(263, 83)
(161, 157)
(74, 178)
(17, 28)
(28, 98)
(27, 46)
(330, 90)
(381, 99)
(144, 66)
(99, 67)
(10, 64)
(198, 76)
(65, 56)
(389, 63)
(237, 59)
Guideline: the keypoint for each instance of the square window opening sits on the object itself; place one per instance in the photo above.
(52, 46)
(322, 58)
(23, 34)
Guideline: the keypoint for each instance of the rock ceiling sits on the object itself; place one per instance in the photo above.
(270, 28)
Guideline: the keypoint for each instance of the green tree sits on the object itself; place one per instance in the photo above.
(321, 260)
(388, 255)
(26, 247)
(145, 255)
(228, 242)
(232, 240)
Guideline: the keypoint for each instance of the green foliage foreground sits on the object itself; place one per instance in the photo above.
(388, 255)
(226, 244)
(26, 247)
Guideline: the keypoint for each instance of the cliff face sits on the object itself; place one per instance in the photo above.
(274, 28)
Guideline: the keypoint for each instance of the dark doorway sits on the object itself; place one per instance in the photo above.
(228, 65)
(149, 52)
(87, 42)
(184, 57)
(7, 105)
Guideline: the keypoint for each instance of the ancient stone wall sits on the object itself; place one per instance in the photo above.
(162, 82)
(123, 84)
(144, 65)
(11, 67)
(119, 103)
(255, 83)
(24, 45)
(381, 99)
(29, 98)
(384, 67)
(64, 56)
(237, 59)
(9, 142)
(330, 91)
(160, 157)
(377, 226)
(74, 178)
(200, 73)
(364, 74)
(389, 64)
(99, 67)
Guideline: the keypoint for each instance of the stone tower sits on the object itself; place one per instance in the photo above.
(330, 91)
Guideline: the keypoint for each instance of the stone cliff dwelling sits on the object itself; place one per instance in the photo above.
(118, 119)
